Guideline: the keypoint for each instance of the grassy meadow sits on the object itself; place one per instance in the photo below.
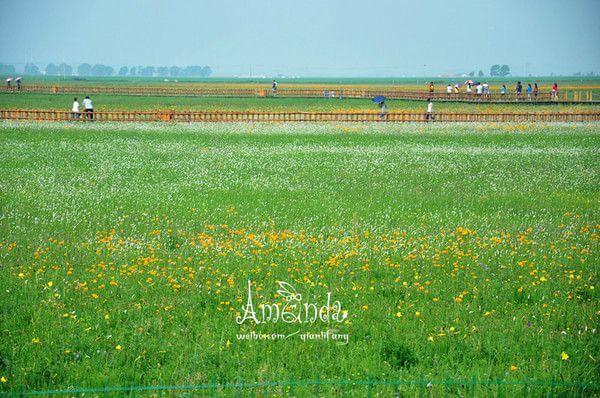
(109, 102)
(456, 252)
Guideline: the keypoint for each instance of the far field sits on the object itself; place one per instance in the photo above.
(458, 252)
(405, 83)
(106, 102)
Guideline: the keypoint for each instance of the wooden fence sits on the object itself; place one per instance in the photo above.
(172, 116)
(573, 96)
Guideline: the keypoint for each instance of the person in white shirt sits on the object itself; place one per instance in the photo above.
(479, 89)
(75, 109)
(88, 107)
(8, 82)
(429, 115)
(449, 88)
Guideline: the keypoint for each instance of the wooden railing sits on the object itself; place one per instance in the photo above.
(172, 116)
(577, 96)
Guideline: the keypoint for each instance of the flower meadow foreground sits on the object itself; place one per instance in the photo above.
(144, 254)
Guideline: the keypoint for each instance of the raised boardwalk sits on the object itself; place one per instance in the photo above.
(172, 116)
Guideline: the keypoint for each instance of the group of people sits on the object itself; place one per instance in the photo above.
(533, 90)
(484, 89)
(88, 108)
(9, 81)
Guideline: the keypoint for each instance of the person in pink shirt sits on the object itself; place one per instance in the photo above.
(555, 91)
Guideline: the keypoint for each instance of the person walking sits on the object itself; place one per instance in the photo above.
(529, 91)
(449, 89)
(535, 90)
(18, 81)
(431, 88)
(75, 109)
(518, 90)
(8, 82)
(88, 108)
(503, 89)
(486, 89)
(274, 88)
(555, 92)
(382, 111)
(469, 88)
(429, 114)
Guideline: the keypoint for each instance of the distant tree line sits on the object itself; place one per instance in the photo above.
(164, 71)
(7, 69)
(499, 70)
(59, 70)
(105, 70)
(495, 70)
(579, 74)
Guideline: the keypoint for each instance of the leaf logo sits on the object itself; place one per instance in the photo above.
(288, 292)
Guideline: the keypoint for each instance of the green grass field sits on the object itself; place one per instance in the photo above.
(150, 103)
(456, 252)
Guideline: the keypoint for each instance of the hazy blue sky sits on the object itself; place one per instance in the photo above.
(308, 37)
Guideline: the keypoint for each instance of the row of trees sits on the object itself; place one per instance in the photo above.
(495, 70)
(105, 70)
(7, 69)
(173, 71)
(499, 70)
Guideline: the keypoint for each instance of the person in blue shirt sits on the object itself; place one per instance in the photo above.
(529, 91)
